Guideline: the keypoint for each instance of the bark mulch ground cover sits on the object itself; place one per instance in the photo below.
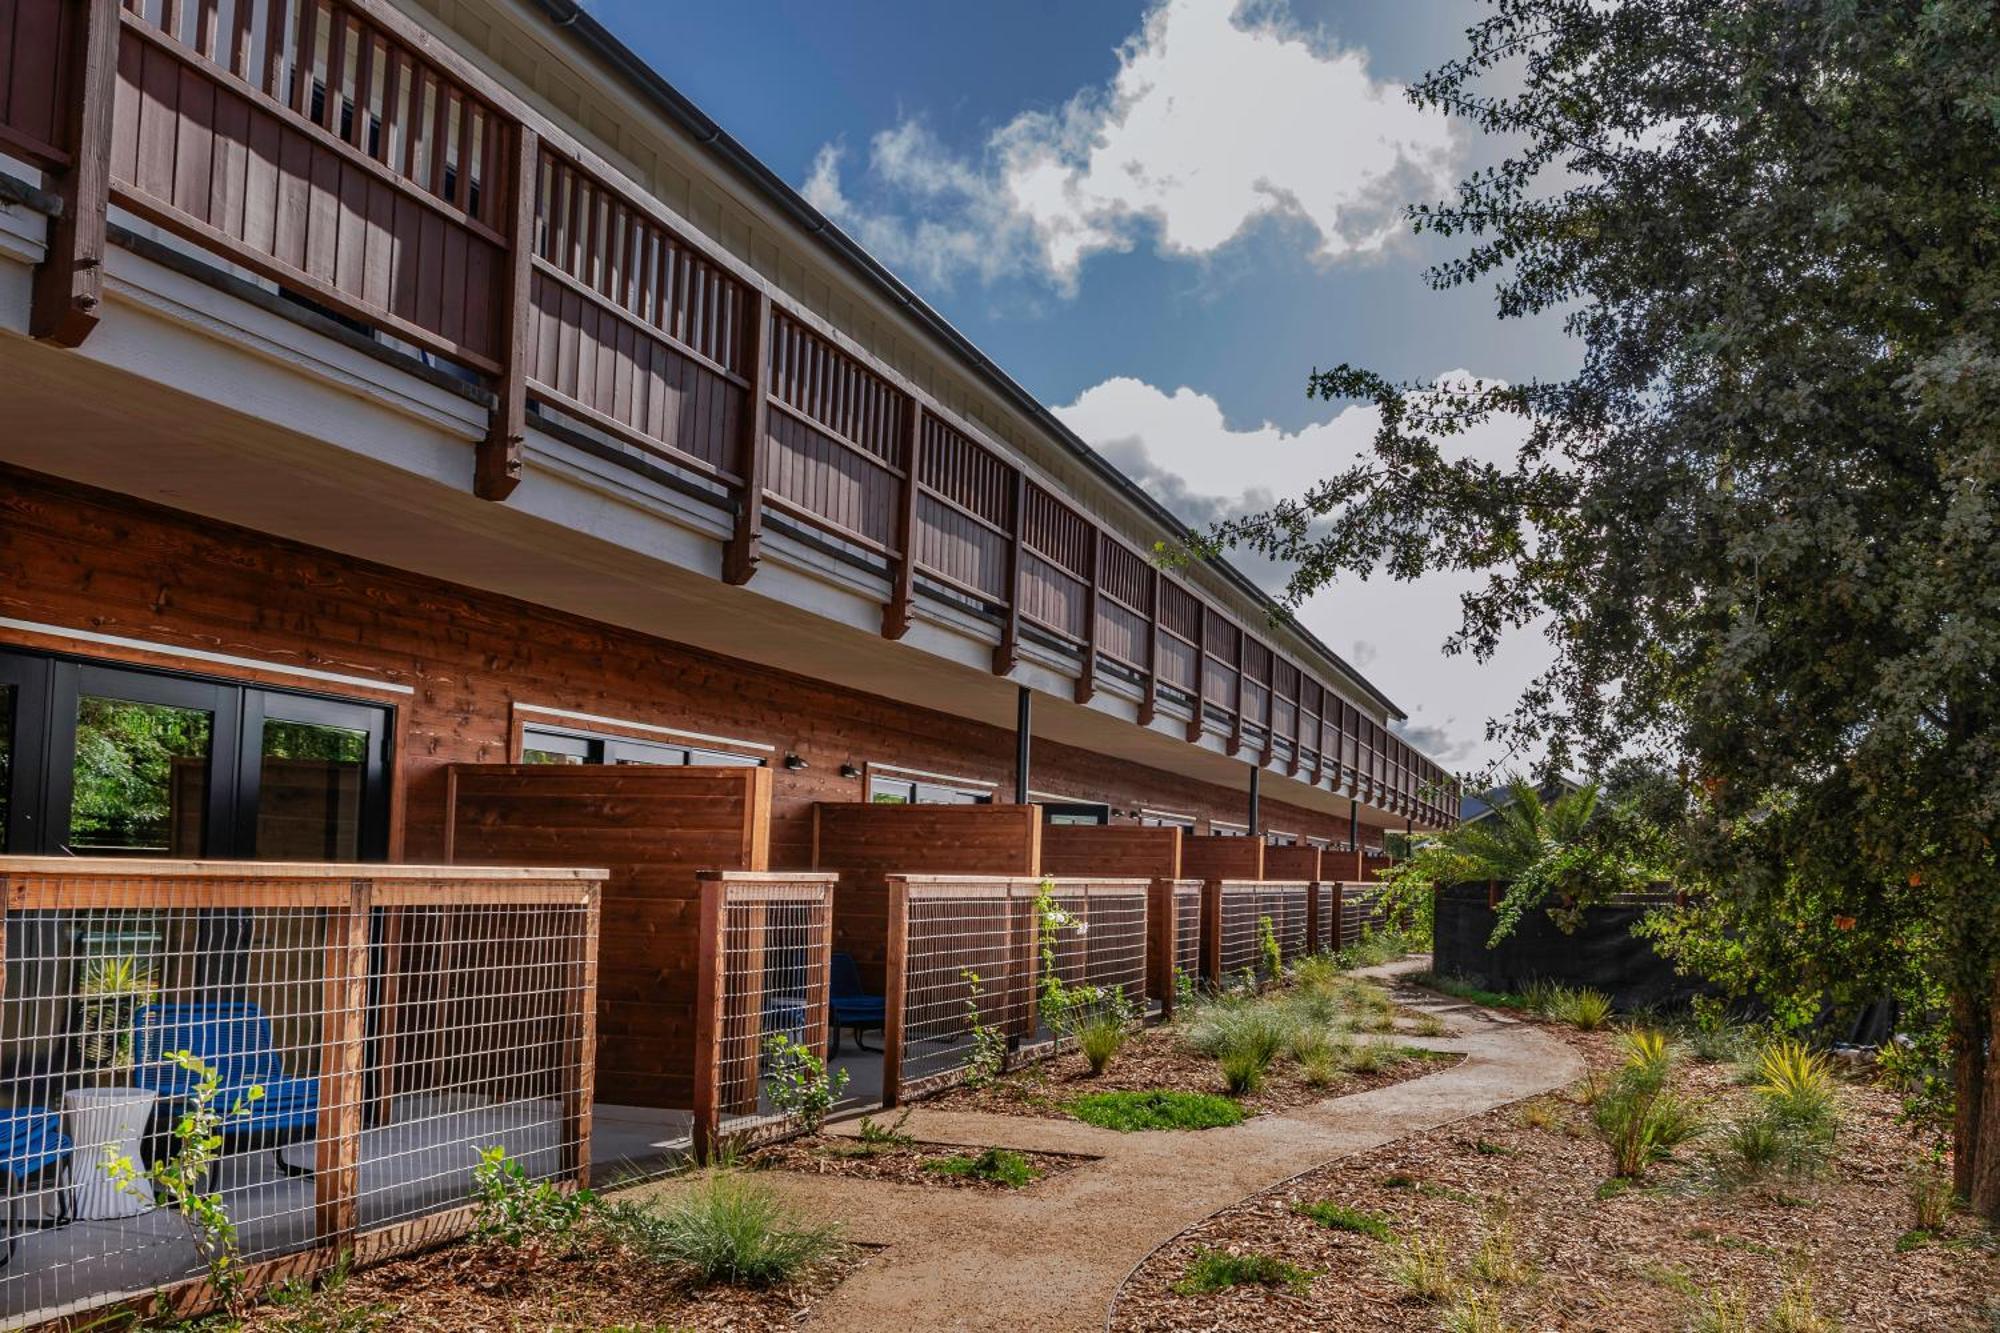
(910, 1163)
(1591, 1257)
(490, 1288)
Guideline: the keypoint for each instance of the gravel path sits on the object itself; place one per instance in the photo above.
(1052, 1256)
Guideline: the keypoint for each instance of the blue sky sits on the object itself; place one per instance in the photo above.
(1159, 216)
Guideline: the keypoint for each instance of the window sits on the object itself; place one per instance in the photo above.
(1221, 830)
(1277, 839)
(548, 745)
(889, 789)
(1166, 819)
(103, 760)
(1075, 812)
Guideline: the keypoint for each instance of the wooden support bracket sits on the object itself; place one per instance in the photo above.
(497, 468)
(746, 544)
(68, 292)
(896, 615)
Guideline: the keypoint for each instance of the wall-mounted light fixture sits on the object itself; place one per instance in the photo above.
(796, 762)
(849, 771)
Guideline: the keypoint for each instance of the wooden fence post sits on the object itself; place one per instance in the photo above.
(579, 1090)
(68, 291)
(342, 1055)
(709, 997)
(1211, 931)
(895, 987)
(1162, 932)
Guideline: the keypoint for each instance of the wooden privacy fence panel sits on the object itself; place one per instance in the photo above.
(655, 830)
(1213, 856)
(766, 940)
(397, 1019)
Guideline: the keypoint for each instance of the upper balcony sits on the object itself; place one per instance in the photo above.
(338, 159)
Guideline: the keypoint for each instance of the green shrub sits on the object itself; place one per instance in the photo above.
(1586, 1009)
(1795, 1090)
(1101, 1034)
(997, 1165)
(1638, 1116)
(1339, 1217)
(797, 1082)
(1157, 1109)
(511, 1209)
(1755, 1144)
(1316, 974)
(1218, 1270)
(1242, 1071)
(725, 1228)
(1320, 1068)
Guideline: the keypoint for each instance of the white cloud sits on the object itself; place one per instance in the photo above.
(1216, 120)
(1181, 447)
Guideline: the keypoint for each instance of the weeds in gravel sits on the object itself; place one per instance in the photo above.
(1158, 1109)
(1421, 1266)
(996, 1165)
(874, 1137)
(1218, 1270)
(726, 1228)
(1339, 1217)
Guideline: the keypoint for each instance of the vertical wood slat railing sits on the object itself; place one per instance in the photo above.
(337, 149)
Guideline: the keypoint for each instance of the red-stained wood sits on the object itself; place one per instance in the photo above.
(497, 466)
(1008, 651)
(896, 954)
(69, 282)
(746, 542)
(709, 998)
(902, 592)
(342, 1058)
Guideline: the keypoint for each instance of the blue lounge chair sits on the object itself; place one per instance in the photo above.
(851, 1007)
(234, 1039)
(33, 1149)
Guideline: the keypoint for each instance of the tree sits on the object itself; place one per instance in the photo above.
(1758, 524)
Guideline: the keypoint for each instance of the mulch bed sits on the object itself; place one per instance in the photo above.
(476, 1288)
(1157, 1058)
(833, 1155)
(1638, 1260)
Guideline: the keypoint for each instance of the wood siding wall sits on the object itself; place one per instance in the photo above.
(83, 558)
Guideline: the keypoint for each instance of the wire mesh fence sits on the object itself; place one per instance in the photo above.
(1364, 910)
(1187, 930)
(764, 998)
(350, 1043)
(967, 966)
(1284, 905)
(1239, 917)
(1325, 917)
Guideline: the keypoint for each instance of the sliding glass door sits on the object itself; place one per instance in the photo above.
(99, 760)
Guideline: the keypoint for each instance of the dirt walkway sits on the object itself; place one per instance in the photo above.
(1052, 1256)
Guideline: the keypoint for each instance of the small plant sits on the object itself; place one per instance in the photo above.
(1796, 1095)
(1539, 1114)
(113, 990)
(1242, 1071)
(318, 1306)
(797, 1082)
(1186, 993)
(997, 1165)
(1476, 1312)
(1339, 1217)
(1430, 1025)
(1499, 1259)
(1722, 1310)
(1102, 1032)
(1755, 1145)
(510, 1208)
(1268, 952)
(1319, 973)
(874, 1137)
(1320, 1066)
(1218, 1270)
(178, 1179)
(1638, 1116)
(1372, 1057)
(1159, 1109)
(1929, 1188)
(1797, 1311)
(727, 1228)
(989, 1043)
(1422, 1266)
(1586, 1010)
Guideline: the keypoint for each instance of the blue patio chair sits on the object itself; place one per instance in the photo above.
(234, 1039)
(851, 1007)
(33, 1149)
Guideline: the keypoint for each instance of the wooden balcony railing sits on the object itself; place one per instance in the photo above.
(340, 151)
